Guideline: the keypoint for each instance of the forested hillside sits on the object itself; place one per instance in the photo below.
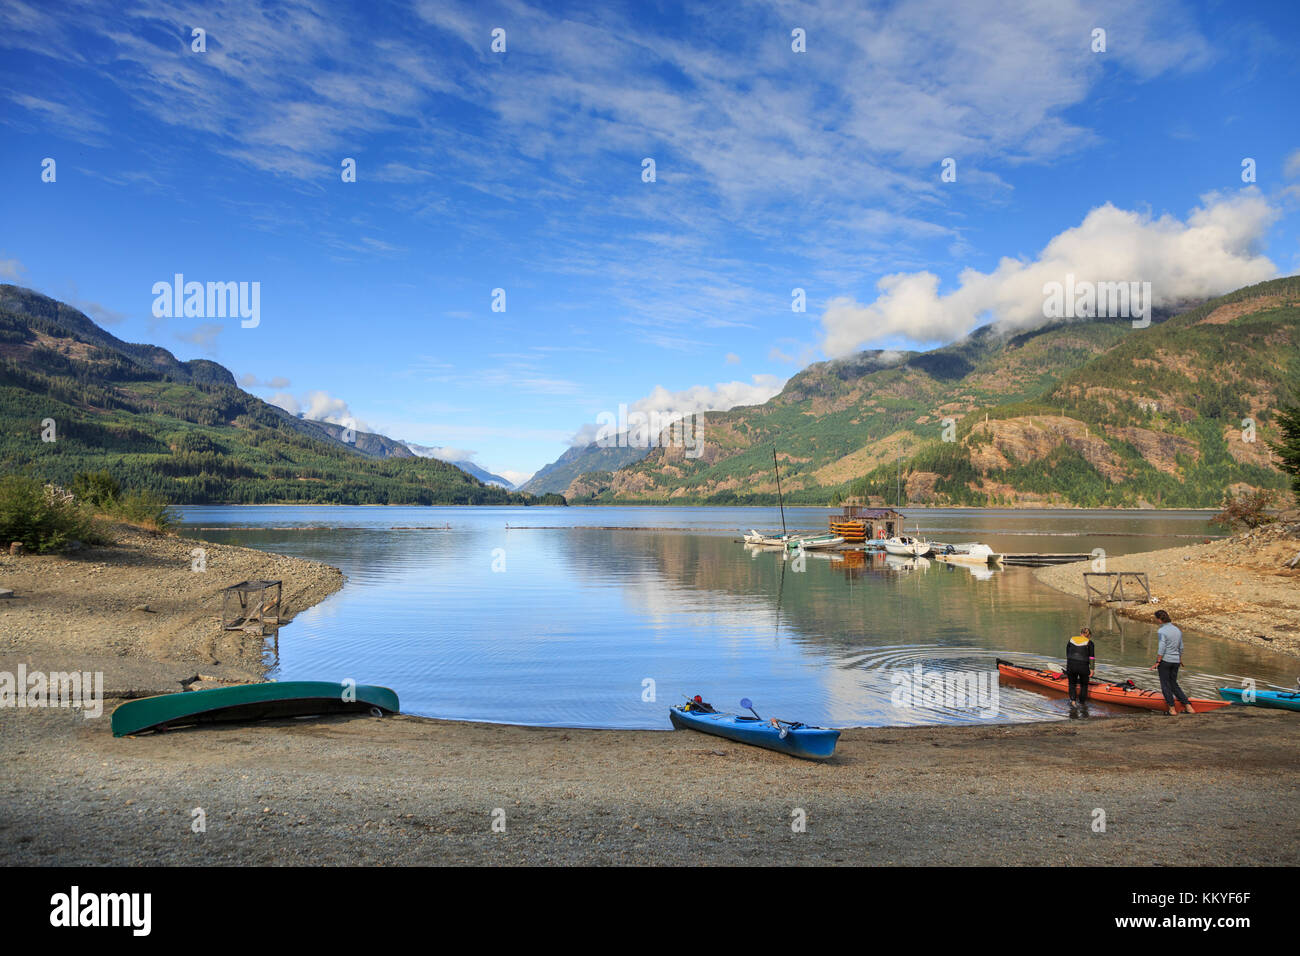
(184, 430)
(1086, 413)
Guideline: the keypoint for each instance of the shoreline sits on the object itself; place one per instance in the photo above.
(138, 611)
(1237, 588)
(406, 790)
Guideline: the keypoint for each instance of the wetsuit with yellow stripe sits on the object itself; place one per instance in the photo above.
(1080, 658)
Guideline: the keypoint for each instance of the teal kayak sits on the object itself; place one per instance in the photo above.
(295, 698)
(798, 740)
(1284, 700)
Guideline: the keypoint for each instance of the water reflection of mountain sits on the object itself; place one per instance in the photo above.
(840, 605)
(858, 613)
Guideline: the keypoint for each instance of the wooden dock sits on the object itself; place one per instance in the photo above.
(1041, 560)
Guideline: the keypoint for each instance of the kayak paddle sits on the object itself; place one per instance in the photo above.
(749, 706)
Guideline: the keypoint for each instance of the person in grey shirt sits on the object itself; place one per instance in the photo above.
(1169, 657)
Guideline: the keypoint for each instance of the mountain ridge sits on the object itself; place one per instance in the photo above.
(1065, 408)
(185, 430)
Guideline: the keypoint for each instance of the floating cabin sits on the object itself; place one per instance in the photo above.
(858, 524)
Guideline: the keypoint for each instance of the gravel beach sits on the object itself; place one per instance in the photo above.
(139, 611)
(1217, 789)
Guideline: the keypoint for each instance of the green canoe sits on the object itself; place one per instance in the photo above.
(295, 698)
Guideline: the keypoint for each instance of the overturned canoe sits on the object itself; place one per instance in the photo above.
(1103, 691)
(297, 698)
(798, 740)
(1282, 700)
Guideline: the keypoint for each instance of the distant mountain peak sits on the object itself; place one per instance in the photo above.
(464, 464)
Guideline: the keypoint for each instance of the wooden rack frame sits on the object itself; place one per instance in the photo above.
(1112, 588)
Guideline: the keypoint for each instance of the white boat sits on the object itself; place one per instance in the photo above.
(814, 541)
(972, 554)
(765, 540)
(905, 547)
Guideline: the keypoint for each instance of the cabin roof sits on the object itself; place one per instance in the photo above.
(857, 511)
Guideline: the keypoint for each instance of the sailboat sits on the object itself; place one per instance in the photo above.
(766, 540)
(907, 547)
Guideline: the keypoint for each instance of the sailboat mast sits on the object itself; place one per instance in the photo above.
(780, 500)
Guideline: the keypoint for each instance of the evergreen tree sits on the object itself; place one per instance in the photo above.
(1288, 449)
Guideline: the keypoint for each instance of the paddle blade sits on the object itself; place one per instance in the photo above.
(746, 703)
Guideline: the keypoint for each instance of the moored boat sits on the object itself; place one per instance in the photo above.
(976, 554)
(251, 702)
(766, 540)
(1279, 699)
(788, 737)
(907, 547)
(813, 541)
(1123, 693)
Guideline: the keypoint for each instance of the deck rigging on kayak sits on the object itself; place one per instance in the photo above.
(786, 736)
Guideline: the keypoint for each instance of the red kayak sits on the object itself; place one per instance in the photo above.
(1102, 691)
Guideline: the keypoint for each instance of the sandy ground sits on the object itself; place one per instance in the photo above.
(1220, 788)
(1239, 588)
(1196, 790)
(78, 611)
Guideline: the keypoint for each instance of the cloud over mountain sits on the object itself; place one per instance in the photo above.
(671, 406)
(1215, 250)
(319, 406)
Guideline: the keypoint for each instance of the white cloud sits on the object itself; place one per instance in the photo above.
(670, 406)
(203, 336)
(250, 380)
(516, 478)
(12, 269)
(1214, 251)
(287, 402)
(324, 407)
(732, 358)
(442, 452)
(102, 314)
(1291, 165)
(320, 406)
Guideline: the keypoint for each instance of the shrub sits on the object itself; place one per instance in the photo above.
(1249, 510)
(142, 508)
(43, 517)
(97, 488)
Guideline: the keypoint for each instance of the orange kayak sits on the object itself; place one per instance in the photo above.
(1102, 691)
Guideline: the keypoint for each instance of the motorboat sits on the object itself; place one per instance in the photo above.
(907, 547)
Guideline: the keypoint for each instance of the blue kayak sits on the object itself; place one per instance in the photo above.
(814, 743)
(1284, 700)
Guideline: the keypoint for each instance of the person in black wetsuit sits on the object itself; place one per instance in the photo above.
(1080, 662)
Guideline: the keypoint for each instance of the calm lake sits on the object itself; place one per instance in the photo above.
(602, 617)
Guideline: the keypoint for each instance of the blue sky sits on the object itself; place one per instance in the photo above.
(523, 170)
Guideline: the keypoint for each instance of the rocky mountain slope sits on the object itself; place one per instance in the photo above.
(579, 460)
(1090, 412)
